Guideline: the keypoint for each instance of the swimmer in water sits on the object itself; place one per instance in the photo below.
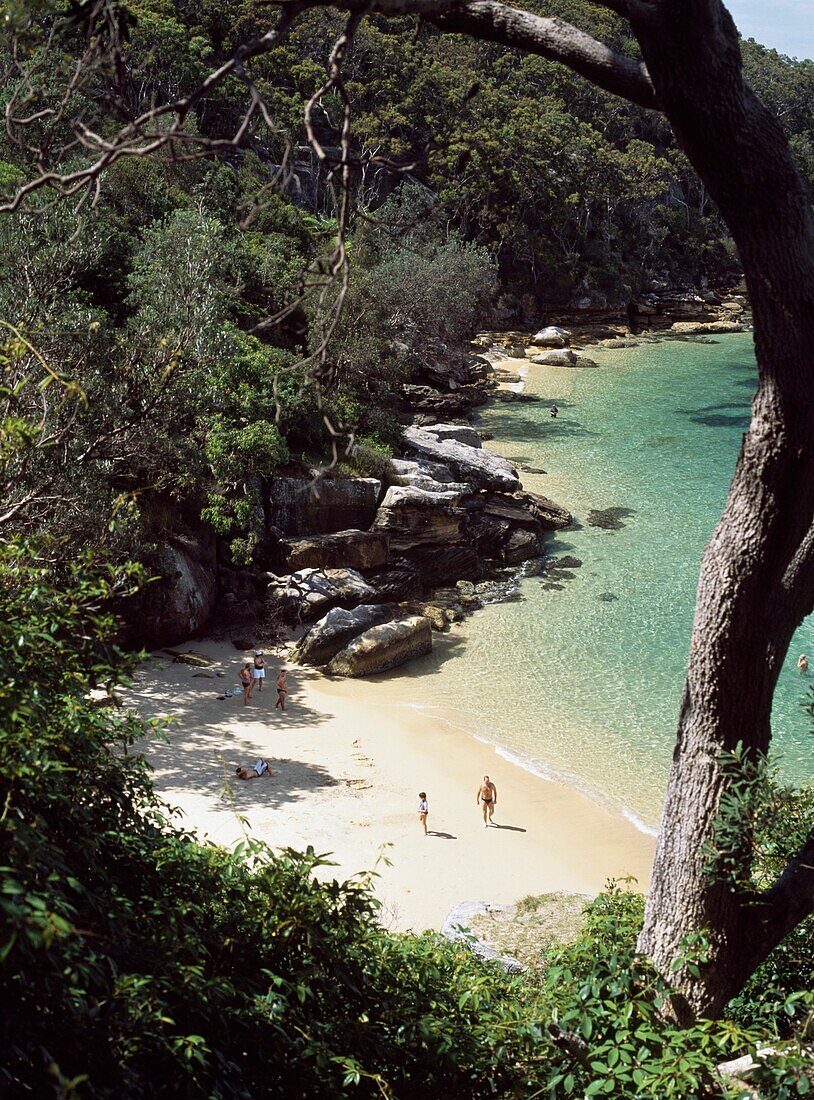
(554, 411)
(802, 663)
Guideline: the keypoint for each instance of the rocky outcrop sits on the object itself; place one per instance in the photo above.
(429, 405)
(399, 582)
(550, 515)
(412, 517)
(352, 549)
(697, 328)
(384, 647)
(462, 433)
(322, 505)
(311, 593)
(179, 605)
(520, 546)
(333, 632)
(437, 565)
(480, 468)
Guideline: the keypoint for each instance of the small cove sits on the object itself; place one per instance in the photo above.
(580, 679)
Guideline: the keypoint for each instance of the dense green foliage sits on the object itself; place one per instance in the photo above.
(142, 388)
(132, 954)
(527, 186)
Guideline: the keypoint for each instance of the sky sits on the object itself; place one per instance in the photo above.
(785, 25)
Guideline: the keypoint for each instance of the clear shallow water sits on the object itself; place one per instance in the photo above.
(587, 688)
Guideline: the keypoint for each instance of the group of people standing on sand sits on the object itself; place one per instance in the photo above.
(486, 797)
(252, 676)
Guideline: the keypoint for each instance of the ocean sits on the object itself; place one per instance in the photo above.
(579, 680)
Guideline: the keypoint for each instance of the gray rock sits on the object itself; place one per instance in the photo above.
(552, 337)
(322, 505)
(463, 433)
(471, 464)
(438, 565)
(314, 592)
(521, 546)
(456, 929)
(412, 517)
(419, 467)
(384, 647)
(352, 549)
(181, 602)
(400, 582)
(564, 358)
(333, 632)
(551, 516)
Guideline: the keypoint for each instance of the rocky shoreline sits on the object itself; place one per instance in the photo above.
(370, 567)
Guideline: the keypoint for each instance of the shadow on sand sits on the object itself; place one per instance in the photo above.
(196, 751)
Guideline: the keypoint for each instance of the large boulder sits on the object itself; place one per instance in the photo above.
(353, 549)
(425, 475)
(384, 647)
(563, 358)
(406, 468)
(180, 603)
(311, 593)
(552, 337)
(463, 433)
(479, 467)
(322, 505)
(339, 627)
(413, 517)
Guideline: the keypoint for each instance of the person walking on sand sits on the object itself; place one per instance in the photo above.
(282, 690)
(259, 671)
(487, 795)
(247, 682)
(423, 809)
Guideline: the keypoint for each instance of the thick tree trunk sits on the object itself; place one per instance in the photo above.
(757, 575)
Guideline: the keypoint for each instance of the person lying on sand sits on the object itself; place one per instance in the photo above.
(487, 794)
(260, 768)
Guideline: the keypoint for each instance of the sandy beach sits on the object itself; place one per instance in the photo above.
(349, 758)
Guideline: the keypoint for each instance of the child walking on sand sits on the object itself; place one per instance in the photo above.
(423, 809)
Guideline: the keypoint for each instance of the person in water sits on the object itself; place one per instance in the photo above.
(247, 682)
(282, 690)
(259, 671)
(554, 412)
(257, 771)
(487, 797)
(802, 663)
(423, 809)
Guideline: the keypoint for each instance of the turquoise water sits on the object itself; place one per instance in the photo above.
(587, 688)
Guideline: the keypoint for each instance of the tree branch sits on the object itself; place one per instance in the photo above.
(553, 39)
(791, 899)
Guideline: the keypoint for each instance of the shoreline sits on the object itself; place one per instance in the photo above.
(350, 758)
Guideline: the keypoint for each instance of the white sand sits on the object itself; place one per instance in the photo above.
(350, 758)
